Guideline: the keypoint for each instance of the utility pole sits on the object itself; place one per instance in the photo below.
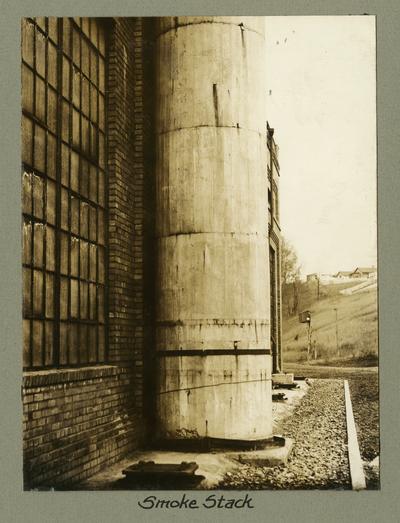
(305, 317)
(309, 341)
(337, 335)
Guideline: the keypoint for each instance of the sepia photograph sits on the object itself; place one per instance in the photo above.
(199, 256)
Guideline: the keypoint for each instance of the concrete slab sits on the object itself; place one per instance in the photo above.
(213, 465)
(283, 378)
(272, 457)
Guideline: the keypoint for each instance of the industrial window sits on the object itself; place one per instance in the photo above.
(273, 294)
(275, 205)
(64, 188)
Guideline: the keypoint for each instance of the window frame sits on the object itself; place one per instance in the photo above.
(50, 29)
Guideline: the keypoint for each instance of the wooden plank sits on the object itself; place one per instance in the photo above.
(355, 462)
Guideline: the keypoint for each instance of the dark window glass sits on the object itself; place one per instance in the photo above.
(63, 191)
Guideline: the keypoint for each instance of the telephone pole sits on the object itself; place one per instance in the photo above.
(337, 335)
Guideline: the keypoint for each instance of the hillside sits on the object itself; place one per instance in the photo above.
(357, 326)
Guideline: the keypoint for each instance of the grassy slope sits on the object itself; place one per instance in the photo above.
(357, 326)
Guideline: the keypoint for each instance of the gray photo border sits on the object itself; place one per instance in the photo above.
(277, 506)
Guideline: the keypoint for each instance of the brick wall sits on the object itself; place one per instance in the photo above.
(77, 421)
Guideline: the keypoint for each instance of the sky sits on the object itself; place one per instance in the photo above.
(321, 103)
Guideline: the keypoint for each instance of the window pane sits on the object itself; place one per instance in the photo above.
(64, 343)
(63, 151)
(76, 131)
(26, 290)
(37, 343)
(66, 36)
(93, 184)
(49, 347)
(64, 253)
(27, 89)
(101, 274)
(84, 302)
(92, 343)
(38, 243)
(92, 301)
(64, 298)
(65, 165)
(37, 293)
(76, 51)
(27, 41)
(53, 28)
(38, 196)
(66, 77)
(84, 179)
(93, 262)
(101, 226)
(52, 64)
(26, 242)
(40, 105)
(64, 209)
(40, 53)
(73, 343)
(83, 343)
(84, 220)
(101, 75)
(27, 193)
(49, 296)
(93, 223)
(51, 202)
(74, 257)
(52, 110)
(74, 171)
(27, 135)
(76, 88)
(74, 299)
(51, 156)
(100, 295)
(40, 148)
(101, 343)
(74, 215)
(84, 259)
(85, 97)
(26, 329)
(101, 189)
(50, 248)
(85, 58)
(65, 121)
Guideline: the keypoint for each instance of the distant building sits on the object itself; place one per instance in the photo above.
(275, 241)
(343, 274)
(312, 277)
(364, 272)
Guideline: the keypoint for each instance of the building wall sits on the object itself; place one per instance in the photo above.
(79, 419)
(275, 239)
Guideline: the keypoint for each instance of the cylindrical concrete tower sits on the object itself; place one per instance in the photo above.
(212, 330)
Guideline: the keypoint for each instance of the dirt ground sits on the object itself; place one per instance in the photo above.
(364, 392)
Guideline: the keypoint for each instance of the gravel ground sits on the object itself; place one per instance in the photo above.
(364, 392)
(319, 457)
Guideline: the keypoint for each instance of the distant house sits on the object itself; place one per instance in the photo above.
(312, 277)
(364, 272)
(343, 274)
